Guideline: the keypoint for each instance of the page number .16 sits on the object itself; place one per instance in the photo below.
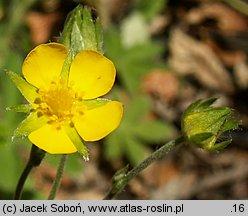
(238, 208)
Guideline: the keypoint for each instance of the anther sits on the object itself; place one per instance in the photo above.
(39, 114)
(37, 101)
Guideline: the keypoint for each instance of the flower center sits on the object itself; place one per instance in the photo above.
(59, 101)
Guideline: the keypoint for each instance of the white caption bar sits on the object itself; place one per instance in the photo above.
(125, 207)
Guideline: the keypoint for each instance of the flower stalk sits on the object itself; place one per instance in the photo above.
(35, 158)
(122, 177)
(58, 178)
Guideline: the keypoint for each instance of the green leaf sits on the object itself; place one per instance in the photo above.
(114, 147)
(151, 8)
(135, 151)
(10, 167)
(113, 44)
(137, 109)
(27, 90)
(154, 131)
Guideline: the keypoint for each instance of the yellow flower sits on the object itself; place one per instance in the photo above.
(64, 104)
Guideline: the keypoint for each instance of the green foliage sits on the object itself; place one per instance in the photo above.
(136, 131)
(73, 163)
(133, 62)
(135, 54)
(151, 8)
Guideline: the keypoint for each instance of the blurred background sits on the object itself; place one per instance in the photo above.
(168, 53)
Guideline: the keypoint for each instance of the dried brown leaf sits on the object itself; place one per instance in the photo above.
(161, 84)
(41, 25)
(228, 20)
(189, 56)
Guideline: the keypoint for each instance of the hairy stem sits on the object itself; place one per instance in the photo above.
(58, 178)
(121, 178)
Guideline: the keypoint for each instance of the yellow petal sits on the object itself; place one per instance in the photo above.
(92, 74)
(52, 140)
(43, 64)
(97, 123)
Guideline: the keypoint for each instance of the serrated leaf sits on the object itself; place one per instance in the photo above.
(114, 146)
(154, 131)
(137, 109)
(135, 151)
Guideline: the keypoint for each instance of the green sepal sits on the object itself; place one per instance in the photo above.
(200, 105)
(231, 124)
(23, 108)
(77, 41)
(203, 124)
(64, 74)
(95, 103)
(26, 89)
(77, 141)
(88, 30)
(99, 35)
(33, 122)
(219, 146)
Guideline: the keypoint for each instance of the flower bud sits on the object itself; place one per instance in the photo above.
(81, 32)
(203, 125)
